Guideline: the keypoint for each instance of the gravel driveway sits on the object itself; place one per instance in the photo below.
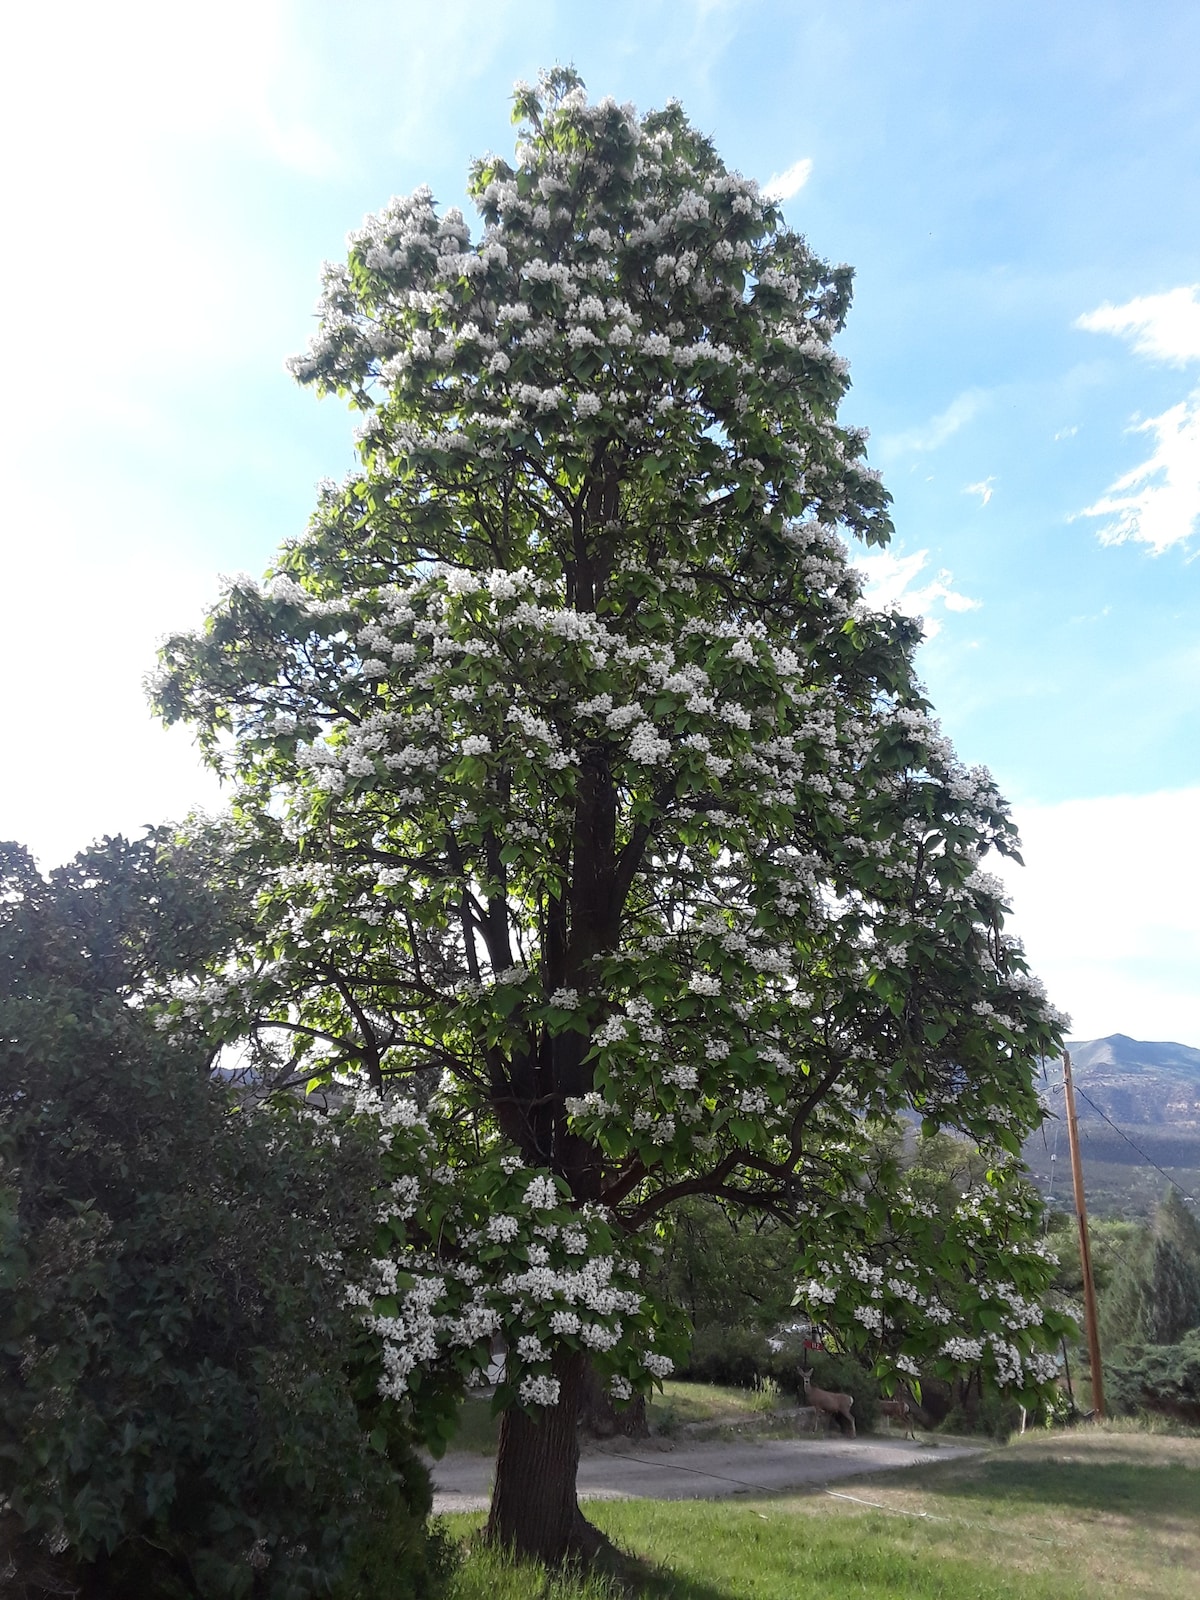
(657, 1470)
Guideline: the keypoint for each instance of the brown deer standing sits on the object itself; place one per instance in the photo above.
(900, 1410)
(837, 1407)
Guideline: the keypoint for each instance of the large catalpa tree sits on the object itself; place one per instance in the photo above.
(590, 820)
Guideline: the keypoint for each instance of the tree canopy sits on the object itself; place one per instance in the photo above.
(587, 819)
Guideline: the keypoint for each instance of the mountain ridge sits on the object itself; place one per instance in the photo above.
(1120, 1052)
(1138, 1104)
(1137, 1082)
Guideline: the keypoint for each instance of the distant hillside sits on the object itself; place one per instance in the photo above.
(1151, 1091)
(1132, 1081)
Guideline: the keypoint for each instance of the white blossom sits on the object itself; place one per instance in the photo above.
(537, 1390)
(541, 1194)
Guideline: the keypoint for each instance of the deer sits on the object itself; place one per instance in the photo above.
(900, 1410)
(837, 1407)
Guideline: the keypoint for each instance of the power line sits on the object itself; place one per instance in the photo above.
(1133, 1146)
(1053, 1153)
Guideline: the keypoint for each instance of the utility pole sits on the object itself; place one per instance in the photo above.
(1085, 1249)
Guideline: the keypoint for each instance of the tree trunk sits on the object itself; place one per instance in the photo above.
(534, 1509)
(599, 1417)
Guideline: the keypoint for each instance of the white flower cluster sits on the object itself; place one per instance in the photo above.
(541, 1194)
(562, 1277)
(538, 1389)
(814, 1292)
(410, 1338)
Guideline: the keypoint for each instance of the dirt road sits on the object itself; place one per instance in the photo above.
(654, 1470)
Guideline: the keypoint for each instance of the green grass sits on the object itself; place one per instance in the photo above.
(682, 1404)
(1094, 1512)
(679, 1405)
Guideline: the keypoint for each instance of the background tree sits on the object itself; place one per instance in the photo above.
(581, 799)
(931, 1266)
(1153, 1294)
(728, 1270)
(176, 1411)
(1157, 1377)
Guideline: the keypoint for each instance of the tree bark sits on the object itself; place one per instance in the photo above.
(535, 1512)
(599, 1417)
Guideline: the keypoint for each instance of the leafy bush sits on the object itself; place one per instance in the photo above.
(176, 1415)
(766, 1394)
(667, 1419)
(992, 1415)
(739, 1357)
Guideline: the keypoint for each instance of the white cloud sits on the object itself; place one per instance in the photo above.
(891, 585)
(117, 109)
(1165, 327)
(1157, 502)
(934, 433)
(1108, 904)
(138, 79)
(982, 489)
(788, 183)
(296, 145)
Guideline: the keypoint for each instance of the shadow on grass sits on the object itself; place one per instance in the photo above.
(1115, 1487)
(704, 1550)
(635, 1576)
(488, 1574)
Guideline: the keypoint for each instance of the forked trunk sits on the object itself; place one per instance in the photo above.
(534, 1509)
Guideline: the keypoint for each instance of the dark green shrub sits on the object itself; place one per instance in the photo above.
(992, 1415)
(734, 1356)
(176, 1410)
(1160, 1378)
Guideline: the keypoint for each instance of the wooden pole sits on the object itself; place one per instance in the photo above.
(1085, 1250)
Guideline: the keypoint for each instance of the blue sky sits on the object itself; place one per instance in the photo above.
(1017, 187)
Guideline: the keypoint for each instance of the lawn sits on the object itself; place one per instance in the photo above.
(686, 1403)
(1094, 1512)
(679, 1405)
